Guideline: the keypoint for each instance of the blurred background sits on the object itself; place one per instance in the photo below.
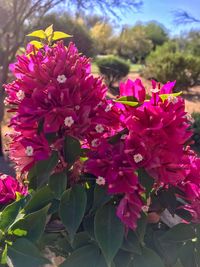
(124, 39)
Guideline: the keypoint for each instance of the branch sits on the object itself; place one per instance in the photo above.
(183, 17)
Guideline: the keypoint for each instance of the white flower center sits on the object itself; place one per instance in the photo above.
(172, 99)
(29, 151)
(100, 180)
(3, 176)
(61, 78)
(123, 136)
(95, 142)
(108, 108)
(20, 95)
(77, 107)
(156, 90)
(69, 121)
(138, 158)
(99, 128)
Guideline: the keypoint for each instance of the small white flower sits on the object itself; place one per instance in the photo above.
(156, 90)
(99, 128)
(69, 121)
(172, 99)
(61, 78)
(108, 108)
(138, 158)
(20, 95)
(123, 136)
(95, 142)
(29, 151)
(100, 180)
(3, 176)
(77, 107)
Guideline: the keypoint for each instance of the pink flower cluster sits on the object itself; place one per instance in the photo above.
(8, 188)
(56, 95)
(154, 139)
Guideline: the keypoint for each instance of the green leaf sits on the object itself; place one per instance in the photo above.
(81, 239)
(72, 149)
(39, 174)
(141, 227)
(88, 224)
(100, 197)
(131, 243)
(109, 232)
(49, 30)
(147, 259)
(23, 253)
(58, 184)
(72, 208)
(145, 180)
(9, 214)
(19, 232)
(187, 255)
(179, 233)
(39, 33)
(88, 256)
(4, 255)
(60, 35)
(37, 44)
(123, 258)
(39, 199)
(165, 96)
(34, 223)
(128, 103)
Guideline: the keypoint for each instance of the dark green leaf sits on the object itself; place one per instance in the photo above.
(179, 233)
(9, 214)
(88, 256)
(148, 259)
(146, 180)
(131, 243)
(72, 149)
(109, 232)
(187, 255)
(123, 258)
(81, 239)
(88, 224)
(33, 223)
(39, 174)
(100, 197)
(58, 183)
(141, 227)
(39, 199)
(72, 208)
(23, 253)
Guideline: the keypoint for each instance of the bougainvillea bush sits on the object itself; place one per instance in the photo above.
(102, 183)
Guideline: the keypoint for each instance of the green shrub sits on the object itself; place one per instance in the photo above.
(168, 65)
(196, 129)
(112, 68)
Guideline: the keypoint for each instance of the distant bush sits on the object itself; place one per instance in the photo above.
(166, 64)
(196, 129)
(112, 68)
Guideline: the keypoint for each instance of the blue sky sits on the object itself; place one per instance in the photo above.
(162, 11)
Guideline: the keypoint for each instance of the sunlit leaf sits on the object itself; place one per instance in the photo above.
(39, 33)
(37, 44)
(60, 35)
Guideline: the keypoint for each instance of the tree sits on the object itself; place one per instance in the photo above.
(134, 44)
(183, 17)
(156, 33)
(102, 33)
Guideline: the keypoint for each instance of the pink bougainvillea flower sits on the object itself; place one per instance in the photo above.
(9, 186)
(133, 88)
(129, 210)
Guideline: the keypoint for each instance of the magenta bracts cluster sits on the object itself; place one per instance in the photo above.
(55, 93)
(9, 186)
(154, 139)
